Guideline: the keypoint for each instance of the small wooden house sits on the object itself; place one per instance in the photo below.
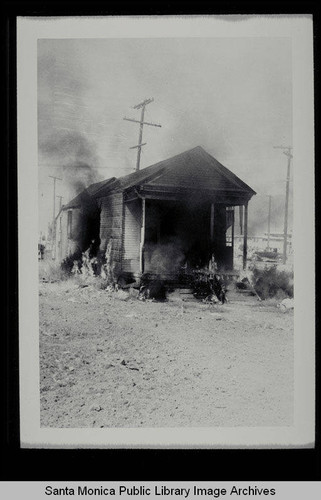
(176, 213)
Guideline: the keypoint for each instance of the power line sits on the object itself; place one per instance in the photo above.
(51, 165)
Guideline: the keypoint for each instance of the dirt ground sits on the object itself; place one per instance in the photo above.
(110, 360)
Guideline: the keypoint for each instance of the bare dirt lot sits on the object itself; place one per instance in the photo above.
(110, 360)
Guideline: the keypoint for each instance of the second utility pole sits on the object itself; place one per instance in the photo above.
(54, 214)
(288, 152)
(139, 146)
(269, 223)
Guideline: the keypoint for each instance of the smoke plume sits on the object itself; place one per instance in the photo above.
(76, 155)
(164, 258)
(64, 117)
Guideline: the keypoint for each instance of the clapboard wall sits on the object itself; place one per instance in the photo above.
(111, 226)
(67, 243)
(131, 236)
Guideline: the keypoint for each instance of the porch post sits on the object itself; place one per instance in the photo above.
(245, 235)
(142, 237)
(233, 219)
(212, 223)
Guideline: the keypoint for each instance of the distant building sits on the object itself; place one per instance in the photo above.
(261, 242)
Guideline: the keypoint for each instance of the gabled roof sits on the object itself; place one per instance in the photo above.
(196, 169)
(193, 169)
(94, 188)
(130, 180)
(87, 193)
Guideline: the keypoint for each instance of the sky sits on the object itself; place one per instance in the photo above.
(232, 96)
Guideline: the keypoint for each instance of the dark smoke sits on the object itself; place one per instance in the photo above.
(68, 145)
(164, 258)
(76, 154)
(78, 176)
(63, 115)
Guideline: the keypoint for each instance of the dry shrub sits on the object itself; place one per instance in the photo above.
(270, 282)
(85, 268)
(71, 262)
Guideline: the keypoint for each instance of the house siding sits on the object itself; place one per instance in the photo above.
(131, 236)
(111, 227)
(68, 244)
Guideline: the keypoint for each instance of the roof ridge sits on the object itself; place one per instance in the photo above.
(166, 167)
(143, 174)
(227, 173)
(107, 183)
(154, 172)
(159, 162)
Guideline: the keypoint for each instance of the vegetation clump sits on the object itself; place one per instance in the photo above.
(271, 282)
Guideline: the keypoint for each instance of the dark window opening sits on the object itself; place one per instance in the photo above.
(69, 225)
(177, 235)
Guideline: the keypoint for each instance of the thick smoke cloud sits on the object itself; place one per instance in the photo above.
(76, 155)
(62, 117)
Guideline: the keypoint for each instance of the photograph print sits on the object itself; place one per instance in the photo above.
(166, 232)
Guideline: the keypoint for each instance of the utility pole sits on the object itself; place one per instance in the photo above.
(287, 150)
(141, 122)
(269, 222)
(54, 195)
(54, 213)
(60, 202)
(59, 244)
(245, 235)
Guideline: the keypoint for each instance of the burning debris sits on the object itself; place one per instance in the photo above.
(152, 288)
(89, 264)
(75, 268)
(209, 287)
(205, 284)
(108, 267)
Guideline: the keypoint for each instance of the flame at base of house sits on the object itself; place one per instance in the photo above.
(204, 283)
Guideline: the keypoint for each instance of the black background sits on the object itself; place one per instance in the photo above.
(122, 464)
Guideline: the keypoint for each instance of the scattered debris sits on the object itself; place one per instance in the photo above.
(130, 366)
(246, 285)
(95, 407)
(286, 305)
(211, 298)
